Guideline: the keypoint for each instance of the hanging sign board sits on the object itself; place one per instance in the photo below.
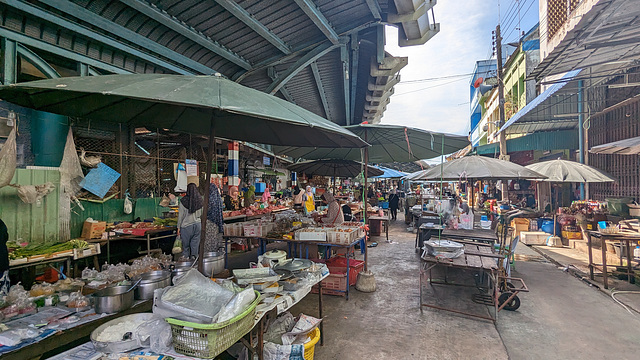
(191, 167)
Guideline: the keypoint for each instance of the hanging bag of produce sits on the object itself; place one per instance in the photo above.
(177, 246)
(128, 205)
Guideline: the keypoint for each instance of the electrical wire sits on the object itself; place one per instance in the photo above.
(434, 78)
(428, 87)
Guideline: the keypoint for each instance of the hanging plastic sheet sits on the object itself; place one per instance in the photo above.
(8, 159)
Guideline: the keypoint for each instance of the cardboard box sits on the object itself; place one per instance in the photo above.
(93, 230)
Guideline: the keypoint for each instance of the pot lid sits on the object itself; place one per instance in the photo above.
(275, 254)
(295, 265)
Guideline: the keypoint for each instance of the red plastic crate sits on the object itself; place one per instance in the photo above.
(334, 284)
(338, 265)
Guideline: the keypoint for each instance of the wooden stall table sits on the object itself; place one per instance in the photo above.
(625, 239)
(377, 222)
(150, 234)
(478, 257)
(478, 235)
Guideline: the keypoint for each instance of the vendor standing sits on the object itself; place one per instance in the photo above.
(334, 216)
(297, 197)
(5, 284)
(309, 201)
(189, 221)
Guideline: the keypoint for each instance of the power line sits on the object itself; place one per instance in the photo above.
(434, 78)
(428, 87)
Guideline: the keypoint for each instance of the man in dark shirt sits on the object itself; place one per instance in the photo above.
(4, 259)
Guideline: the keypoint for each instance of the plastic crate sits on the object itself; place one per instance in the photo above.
(338, 265)
(383, 204)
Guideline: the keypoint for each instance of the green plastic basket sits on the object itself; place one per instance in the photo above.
(209, 340)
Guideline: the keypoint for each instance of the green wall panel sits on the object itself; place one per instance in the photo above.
(30, 222)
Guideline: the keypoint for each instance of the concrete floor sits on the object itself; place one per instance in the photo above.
(561, 318)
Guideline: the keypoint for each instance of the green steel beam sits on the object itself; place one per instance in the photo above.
(344, 57)
(35, 60)
(273, 74)
(312, 11)
(190, 33)
(374, 7)
(83, 69)
(303, 62)
(243, 15)
(92, 18)
(57, 20)
(323, 95)
(45, 46)
(9, 65)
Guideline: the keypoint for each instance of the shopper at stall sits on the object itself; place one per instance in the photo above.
(189, 221)
(308, 200)
(231, 199)
(5, 284)
(266, 196)
(297, 197)
(394, 201)
(334, 216)
(215, 223)
(249, 196)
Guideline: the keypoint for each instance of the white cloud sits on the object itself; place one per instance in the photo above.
(465, 36)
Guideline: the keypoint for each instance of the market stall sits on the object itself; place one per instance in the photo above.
(179, 103)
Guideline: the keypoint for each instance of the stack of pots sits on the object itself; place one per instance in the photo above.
(150, 281)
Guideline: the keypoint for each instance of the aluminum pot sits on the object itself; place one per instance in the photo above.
(180, 268)
(151, 281)
(213, 263)
(113, 299)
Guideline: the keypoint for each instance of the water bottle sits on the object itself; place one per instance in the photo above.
(636, 252)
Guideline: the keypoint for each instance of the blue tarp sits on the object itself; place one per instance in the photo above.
(389, 173)
(540, 98)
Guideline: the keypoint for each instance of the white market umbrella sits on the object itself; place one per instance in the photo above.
(623, 147)
(566, 171)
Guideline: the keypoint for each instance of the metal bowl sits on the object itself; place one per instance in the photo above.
(123, 345)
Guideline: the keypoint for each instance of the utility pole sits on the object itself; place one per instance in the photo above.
(503, 139)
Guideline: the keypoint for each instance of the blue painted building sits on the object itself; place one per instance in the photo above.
(483, 69)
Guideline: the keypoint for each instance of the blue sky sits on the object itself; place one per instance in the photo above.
(465, 36)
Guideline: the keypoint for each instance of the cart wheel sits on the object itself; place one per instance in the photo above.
(513, 305)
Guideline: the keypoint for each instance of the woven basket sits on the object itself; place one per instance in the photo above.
(209, 340)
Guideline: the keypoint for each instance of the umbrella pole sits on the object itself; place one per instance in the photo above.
(364, 202)
(207, 190)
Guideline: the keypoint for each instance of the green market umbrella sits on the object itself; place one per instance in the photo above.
(333, 167)
(566, 171)
(389, 143)
(208, 105)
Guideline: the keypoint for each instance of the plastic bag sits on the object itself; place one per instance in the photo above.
(30, 194)
(237, 305)
(299, 333)
(273, 351)
(279, 327)
(8, 159)
(177, 246)
(165, 201)
(193, 298)
(128, 205)
(154, 333)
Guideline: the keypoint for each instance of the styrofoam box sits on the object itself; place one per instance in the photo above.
(318, 235)
(533, 237)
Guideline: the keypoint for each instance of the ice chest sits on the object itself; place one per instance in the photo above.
(533, 237)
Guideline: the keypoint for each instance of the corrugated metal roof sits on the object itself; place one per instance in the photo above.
(227, 36)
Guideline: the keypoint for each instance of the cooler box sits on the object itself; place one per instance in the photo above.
(260, 187)
(533, 237)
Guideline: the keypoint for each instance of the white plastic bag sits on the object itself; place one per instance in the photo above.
(237, 305)
(128, 205)
(155, 333)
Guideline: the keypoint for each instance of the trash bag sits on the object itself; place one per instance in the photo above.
(8, 159)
